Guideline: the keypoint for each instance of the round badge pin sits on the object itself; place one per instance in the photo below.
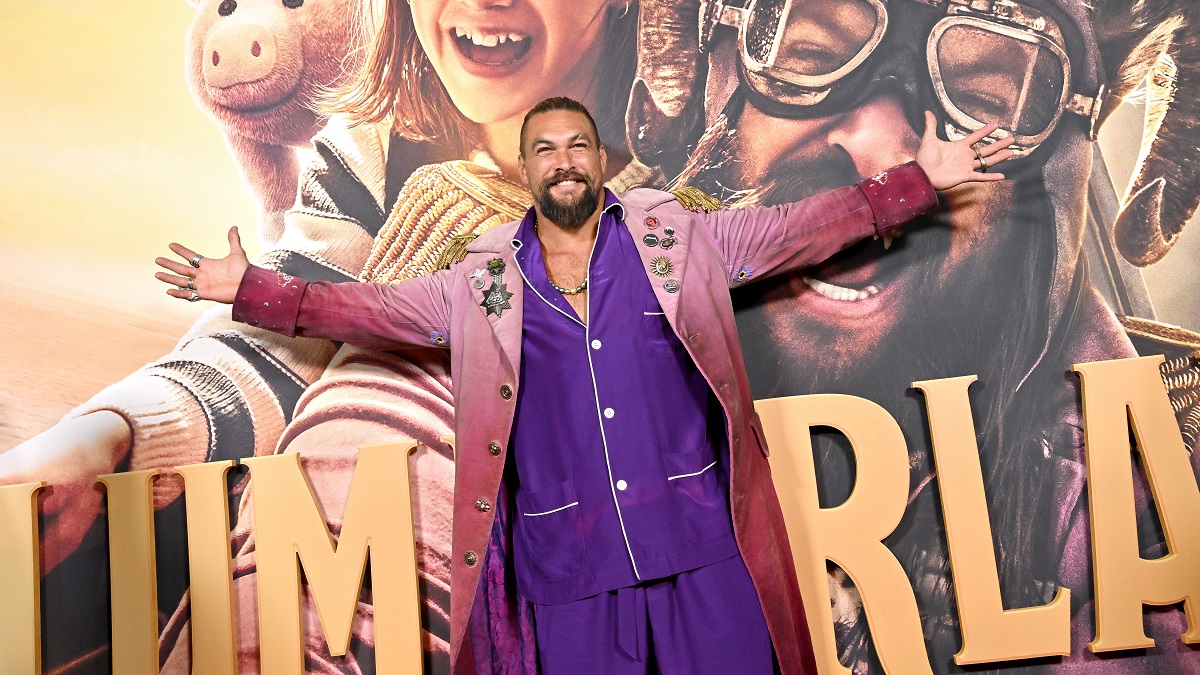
(667, 243)
(651, 222)
(669, 231)
(671, 286)
(650, 240)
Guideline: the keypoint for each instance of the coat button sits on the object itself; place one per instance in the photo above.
(482, 505)
(470, 558)
(494, 448)
(505, 392)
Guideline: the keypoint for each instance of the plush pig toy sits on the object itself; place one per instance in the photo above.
(257, 66)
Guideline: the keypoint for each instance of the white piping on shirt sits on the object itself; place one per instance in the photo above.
(694, 473)
(546, 513)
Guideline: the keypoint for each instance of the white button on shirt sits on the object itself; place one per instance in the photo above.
(621, 485)
(595, 344)
(609, 412)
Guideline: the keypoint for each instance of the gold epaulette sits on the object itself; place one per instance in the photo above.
(454, 252)
(440, 210)
(1180, 370)
(695, 200)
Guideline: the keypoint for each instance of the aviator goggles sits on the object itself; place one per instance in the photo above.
(989, 60)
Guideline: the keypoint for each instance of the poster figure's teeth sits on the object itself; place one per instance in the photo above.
(840, 293)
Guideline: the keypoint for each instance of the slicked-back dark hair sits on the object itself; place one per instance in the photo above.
(558, 103)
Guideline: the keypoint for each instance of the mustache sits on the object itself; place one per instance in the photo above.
(565, 176)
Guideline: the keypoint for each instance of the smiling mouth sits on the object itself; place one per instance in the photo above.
(491, 48)
(867, 261)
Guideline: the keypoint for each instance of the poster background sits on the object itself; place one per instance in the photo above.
(105, 156)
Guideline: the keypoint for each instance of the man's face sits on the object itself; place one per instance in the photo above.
(846, 314)
(563, 164)
(498, 59)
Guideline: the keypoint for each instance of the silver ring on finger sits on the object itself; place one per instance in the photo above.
(194, 297)
(197, 258)
(191, 284)
(983, 167)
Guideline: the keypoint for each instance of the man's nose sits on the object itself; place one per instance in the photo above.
(876, 135)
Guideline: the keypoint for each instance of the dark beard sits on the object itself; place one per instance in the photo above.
(573, 214)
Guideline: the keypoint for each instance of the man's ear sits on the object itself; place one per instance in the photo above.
(603, 161)
(521, 167)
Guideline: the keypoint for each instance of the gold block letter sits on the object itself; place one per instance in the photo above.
(211, 591)
(133, 579)
(288, 525)
(989, 632)
(1117, 395)
(850, 534)
(20, 580)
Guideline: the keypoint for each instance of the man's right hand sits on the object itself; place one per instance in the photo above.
(205, 278)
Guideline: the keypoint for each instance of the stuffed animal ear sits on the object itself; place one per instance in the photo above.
(1160, 47)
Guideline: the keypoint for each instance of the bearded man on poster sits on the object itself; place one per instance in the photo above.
(596, 339)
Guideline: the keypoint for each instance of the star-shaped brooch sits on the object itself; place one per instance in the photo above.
(495, 298)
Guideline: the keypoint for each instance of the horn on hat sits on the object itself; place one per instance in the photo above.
(666, 105)
(1160, 47)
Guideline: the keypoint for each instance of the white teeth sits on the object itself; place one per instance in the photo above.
(888, 238)
(487, 40)
(840, 293)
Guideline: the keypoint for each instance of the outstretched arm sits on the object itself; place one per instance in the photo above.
(758, 242)
(374, 316)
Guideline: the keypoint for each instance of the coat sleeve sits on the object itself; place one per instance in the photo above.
(757, 242)
(410, 314)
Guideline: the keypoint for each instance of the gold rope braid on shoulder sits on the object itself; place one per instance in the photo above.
(1180, 370)
(441, 209)
(695, 200)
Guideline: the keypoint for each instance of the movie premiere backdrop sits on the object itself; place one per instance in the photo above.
(977, 471)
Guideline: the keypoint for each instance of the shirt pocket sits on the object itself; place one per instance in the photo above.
(661, 340)
(696, 482)
(552, 530)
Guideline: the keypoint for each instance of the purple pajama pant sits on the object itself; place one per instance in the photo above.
(706, 620)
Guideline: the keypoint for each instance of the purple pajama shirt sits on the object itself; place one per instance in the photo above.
(621, 475)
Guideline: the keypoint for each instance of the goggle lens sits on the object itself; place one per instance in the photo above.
(821, 36)
(993, 77)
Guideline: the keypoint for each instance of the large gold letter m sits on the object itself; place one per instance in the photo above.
(291, 533)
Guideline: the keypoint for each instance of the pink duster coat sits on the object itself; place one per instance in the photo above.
(714, 252)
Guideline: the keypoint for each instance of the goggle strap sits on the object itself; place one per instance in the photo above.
(731, 16)
(1087, 106)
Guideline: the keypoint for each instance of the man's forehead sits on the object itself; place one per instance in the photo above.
(558, 125)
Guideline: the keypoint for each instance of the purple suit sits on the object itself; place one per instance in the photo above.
(712, 252)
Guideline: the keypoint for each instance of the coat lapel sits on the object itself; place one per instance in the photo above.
(507, 324)
(677, 255)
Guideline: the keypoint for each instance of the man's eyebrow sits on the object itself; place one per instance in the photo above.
(581, 135)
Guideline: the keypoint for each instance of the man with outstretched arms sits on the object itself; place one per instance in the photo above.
(606, 440)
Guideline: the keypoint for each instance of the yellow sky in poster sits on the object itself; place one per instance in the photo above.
(104, 156)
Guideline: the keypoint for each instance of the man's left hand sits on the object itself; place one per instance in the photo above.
(952, 163)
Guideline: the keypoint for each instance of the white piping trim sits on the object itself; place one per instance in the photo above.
(654, 313)
(695, 473)
(535, 290)
(546, 513)
(587, 337)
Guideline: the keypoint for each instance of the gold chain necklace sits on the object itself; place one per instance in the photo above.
(565, 291)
